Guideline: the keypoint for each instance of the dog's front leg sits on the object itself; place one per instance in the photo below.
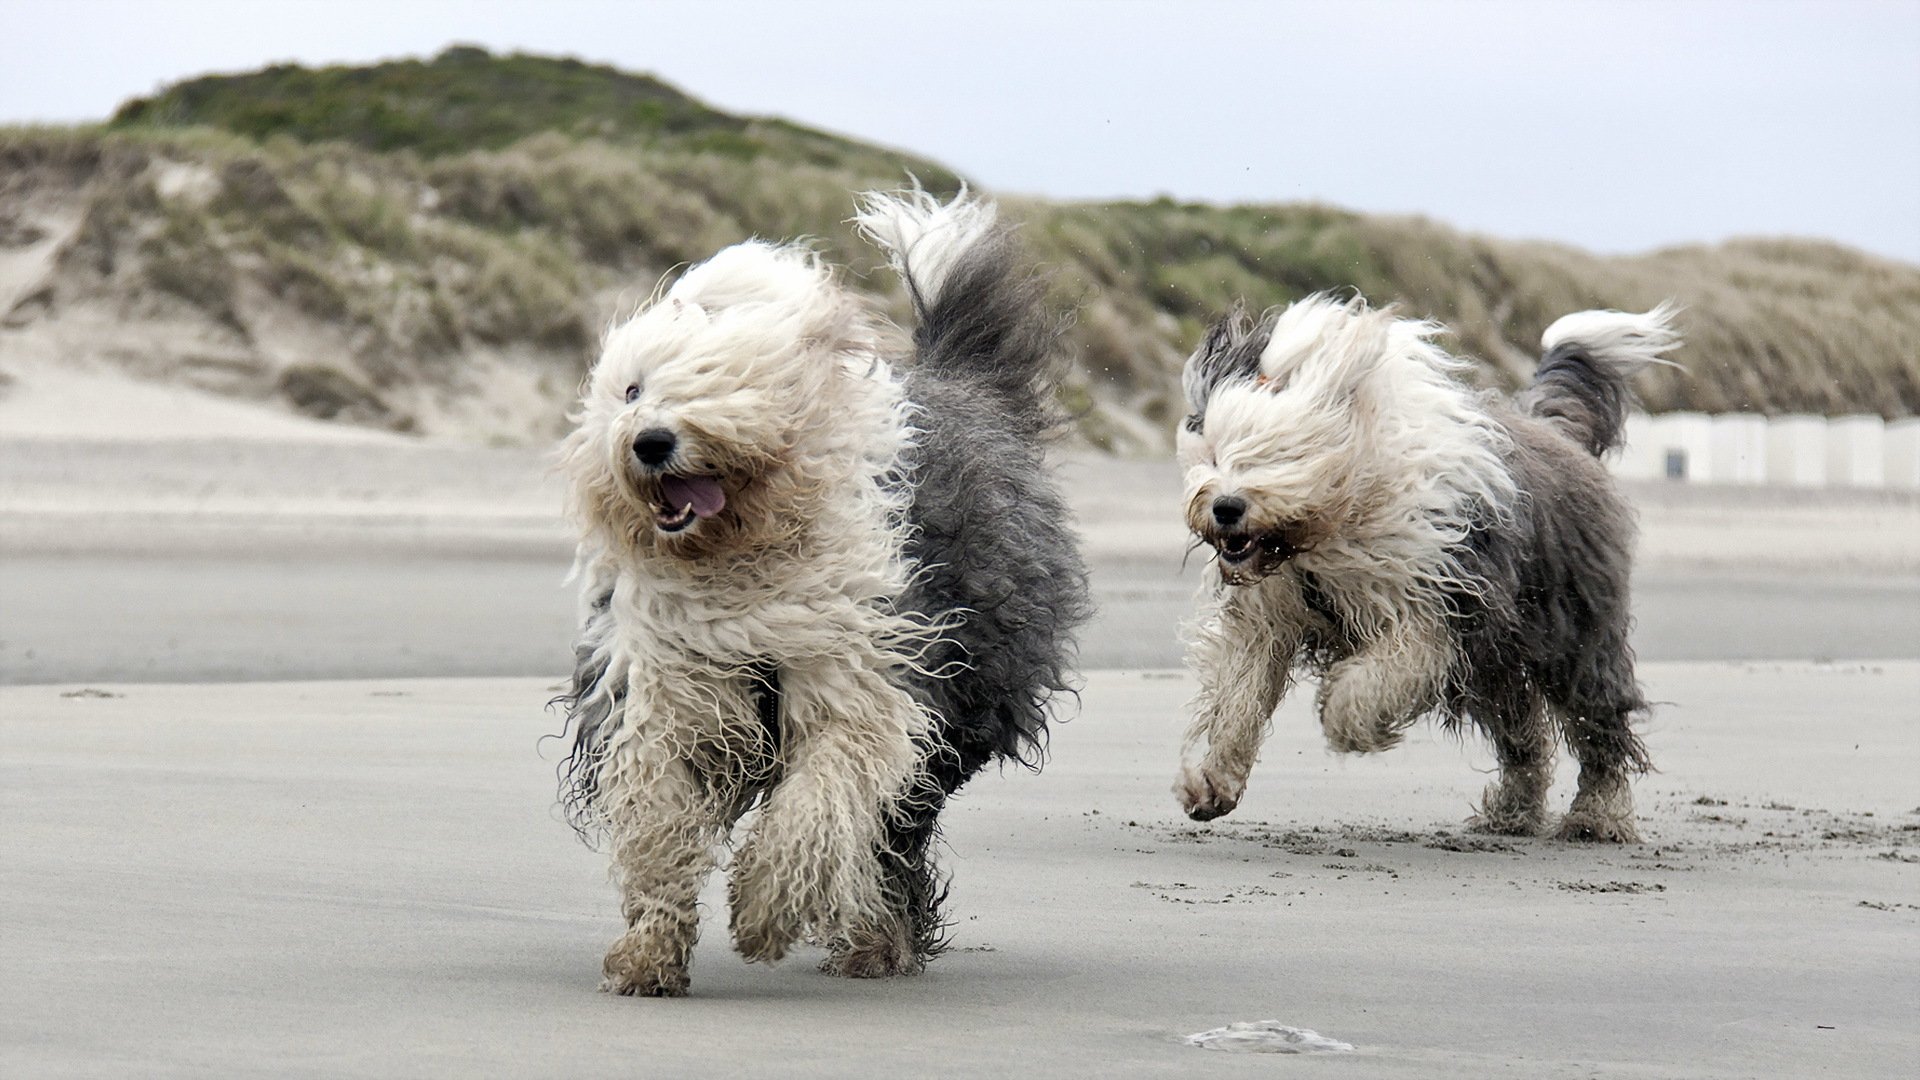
(1242, 656)
(810, 865)
(664, 827)
(1368, 699)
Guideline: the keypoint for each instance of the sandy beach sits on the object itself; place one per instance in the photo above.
(282, 549)
(299, 302)
(366, 878)
(276, 800)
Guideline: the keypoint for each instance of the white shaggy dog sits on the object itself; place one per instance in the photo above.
(814, 585)
(1422, 547)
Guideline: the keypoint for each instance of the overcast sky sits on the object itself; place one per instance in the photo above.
(1617, 126)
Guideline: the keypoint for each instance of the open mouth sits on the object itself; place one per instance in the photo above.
(685, 500)
(673, 521)
(1235, 549)
(1238, 548)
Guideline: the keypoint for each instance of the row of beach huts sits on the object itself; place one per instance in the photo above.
(1788, 451)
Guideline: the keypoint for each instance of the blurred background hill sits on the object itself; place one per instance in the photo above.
(435, 246)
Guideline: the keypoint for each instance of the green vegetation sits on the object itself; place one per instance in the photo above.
(366, 240)
(469, 99)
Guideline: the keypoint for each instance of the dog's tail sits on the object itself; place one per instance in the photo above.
(1585, 380)
(980, 311)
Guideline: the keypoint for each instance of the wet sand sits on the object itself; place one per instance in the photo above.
(267, 614)
(361, 878)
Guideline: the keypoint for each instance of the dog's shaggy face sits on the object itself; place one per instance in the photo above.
(1303, 428)
(723, 416)
(1268, 451)
(1257, 491)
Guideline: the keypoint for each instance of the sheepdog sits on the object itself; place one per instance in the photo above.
(817, 585)
(1421, 547)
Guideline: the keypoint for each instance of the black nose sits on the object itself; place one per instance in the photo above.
(1228, 510)
(653, 446)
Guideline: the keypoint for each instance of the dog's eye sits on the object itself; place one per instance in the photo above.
(633, 393)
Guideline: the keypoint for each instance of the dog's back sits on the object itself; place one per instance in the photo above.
(992, 538)
(1559, 567)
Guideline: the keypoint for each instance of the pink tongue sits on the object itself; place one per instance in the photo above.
(700, 492)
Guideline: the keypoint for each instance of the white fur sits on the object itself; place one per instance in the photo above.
(769, 372)
(1362, 427)
(1360, 430)
(1630, 341)
(922, 235)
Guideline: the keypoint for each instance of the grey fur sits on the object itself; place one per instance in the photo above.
(994, 557)
(594, 698)
(1578, 391)
(1543, 641)
(1540, 621)
(1231, 351)
(992, 539)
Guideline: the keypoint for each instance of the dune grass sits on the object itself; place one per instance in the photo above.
(418, 219)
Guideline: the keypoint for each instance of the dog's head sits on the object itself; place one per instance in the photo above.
(1278, 441)
(724, 415)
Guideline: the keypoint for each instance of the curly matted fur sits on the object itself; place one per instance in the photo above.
(1422, 547)
(814, 585)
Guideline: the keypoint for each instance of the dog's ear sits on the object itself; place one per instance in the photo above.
(1229, 353)
(1222, 334)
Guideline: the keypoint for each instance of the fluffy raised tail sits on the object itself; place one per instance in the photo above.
(980, 312)
(1585, 380)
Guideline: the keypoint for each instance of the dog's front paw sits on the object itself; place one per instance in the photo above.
(638, 966)
(1360, 738)
(1366, 706)
(1205, 794)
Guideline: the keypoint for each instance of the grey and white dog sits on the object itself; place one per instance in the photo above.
(1422, 547)
(815, 585)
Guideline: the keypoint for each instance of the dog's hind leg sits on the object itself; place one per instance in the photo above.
(1242, 655)
(809, 866)
(1367, 700)
(1596, 701)
(1522, 737)
(1609, 754)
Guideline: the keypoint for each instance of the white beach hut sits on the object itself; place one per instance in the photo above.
(1902, 469)
(1739, 453)
(1856, 451)
(1683, 444)
(1639, 457)
(1797, 451)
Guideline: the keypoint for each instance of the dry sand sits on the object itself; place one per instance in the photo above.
(87, 459)
(367, 879)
